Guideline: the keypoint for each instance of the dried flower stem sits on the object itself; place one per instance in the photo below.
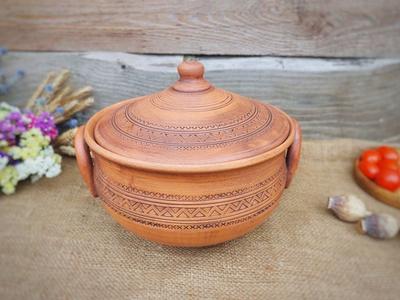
(66, 150)
(64, 92)
(55, 96)
(39, 90)
(66, 138)
(73, 107)
(58, 83)
(82, 93)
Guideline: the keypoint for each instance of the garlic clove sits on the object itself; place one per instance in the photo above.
(348, 208)
(380, 226)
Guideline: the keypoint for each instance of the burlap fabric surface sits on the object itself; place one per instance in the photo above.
(56, 242)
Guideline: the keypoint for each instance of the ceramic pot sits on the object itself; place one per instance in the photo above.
(192, 165)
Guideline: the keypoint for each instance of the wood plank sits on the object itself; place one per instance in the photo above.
(341, 28)
(356, 98)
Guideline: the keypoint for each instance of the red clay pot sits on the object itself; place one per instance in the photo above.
(192, 165)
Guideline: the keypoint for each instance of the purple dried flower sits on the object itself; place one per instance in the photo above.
(11, 161)
(11, 126)
(3, 154)
(45, 122)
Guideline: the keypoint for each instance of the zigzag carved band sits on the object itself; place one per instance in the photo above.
(221, 212)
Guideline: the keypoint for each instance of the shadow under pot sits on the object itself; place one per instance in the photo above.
(192, 165)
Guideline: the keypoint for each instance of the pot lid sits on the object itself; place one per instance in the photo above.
(191, 123)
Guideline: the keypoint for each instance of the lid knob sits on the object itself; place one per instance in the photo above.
(190, 69)
(191, 78)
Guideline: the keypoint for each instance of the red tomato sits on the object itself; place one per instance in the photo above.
(388, 179)
(371, 155)
(388, 164)
(368, 169)
(388, 153)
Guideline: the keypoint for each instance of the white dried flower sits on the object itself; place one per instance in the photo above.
(3, 162)
(47, 163)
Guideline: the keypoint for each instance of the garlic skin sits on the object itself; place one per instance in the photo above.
(380, 226)
(348, 208)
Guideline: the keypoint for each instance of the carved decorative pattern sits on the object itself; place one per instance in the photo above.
(228, 208)
(132, 116)
(163, 103)
(244, 128)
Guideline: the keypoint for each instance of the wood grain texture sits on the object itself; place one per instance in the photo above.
(341, 28)
(356, 98)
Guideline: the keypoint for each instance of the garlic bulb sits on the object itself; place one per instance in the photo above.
(380, 226)
(348, 207)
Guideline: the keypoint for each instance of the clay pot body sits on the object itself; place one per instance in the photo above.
(190, 166)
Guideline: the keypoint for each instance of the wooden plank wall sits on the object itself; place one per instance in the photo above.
(354, 98)
(334, 65)
(317, 28)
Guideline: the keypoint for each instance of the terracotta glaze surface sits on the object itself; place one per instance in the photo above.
(192, 165)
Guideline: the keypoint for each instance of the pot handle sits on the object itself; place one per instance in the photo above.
(84, 160)
(293, 154)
